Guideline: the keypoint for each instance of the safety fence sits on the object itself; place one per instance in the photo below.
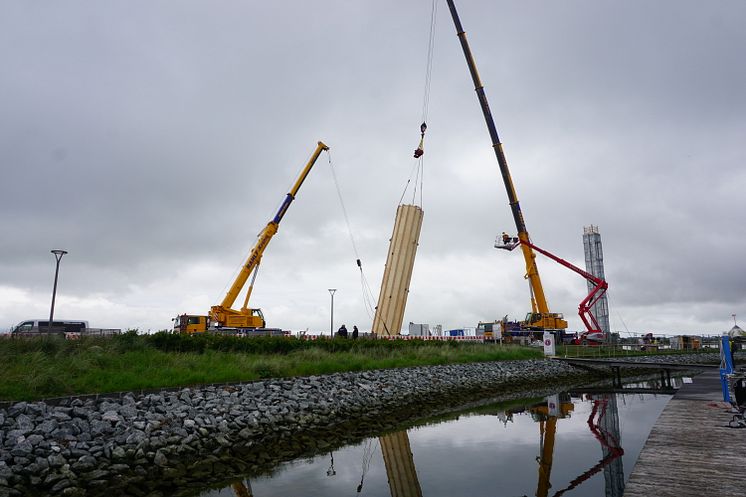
(69, 335)
(624, 350)
(367, 336)
(437, 338)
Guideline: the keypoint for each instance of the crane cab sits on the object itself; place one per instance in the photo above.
(190, 323)
(252, 319)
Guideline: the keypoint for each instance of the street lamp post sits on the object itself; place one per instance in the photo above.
(331, 324)
(58, 253)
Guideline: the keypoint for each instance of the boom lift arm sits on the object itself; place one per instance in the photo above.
(224, 314)
(545, 319)
(599, 286)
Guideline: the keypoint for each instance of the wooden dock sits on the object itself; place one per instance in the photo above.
(691, 451)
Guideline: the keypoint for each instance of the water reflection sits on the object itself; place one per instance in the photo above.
(603, 423)
(242, 488)
(565, 444)
(399, 462)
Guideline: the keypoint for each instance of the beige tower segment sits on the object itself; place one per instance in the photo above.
(392, 300)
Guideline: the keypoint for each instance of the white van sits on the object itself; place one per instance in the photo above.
(41, 326)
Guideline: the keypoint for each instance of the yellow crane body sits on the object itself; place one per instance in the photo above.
(223, 315)
(540, 315)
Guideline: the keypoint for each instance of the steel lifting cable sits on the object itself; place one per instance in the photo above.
(419, 175)
(429, 67)
(368, 297)
(418, 171)
(367, 293)
(409, 180)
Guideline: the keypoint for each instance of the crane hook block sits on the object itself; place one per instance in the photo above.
(420, 150)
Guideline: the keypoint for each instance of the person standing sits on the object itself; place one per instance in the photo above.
(354, 332)
(342, 331)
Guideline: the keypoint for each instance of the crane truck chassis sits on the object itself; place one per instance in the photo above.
(246, 321)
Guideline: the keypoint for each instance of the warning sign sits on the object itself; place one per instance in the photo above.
(548, 344)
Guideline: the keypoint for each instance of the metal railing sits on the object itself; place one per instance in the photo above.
(59, 331)
(563, 350)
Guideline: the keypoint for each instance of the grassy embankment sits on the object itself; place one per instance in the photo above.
(50, 367)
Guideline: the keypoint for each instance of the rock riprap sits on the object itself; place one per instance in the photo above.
(88, 446)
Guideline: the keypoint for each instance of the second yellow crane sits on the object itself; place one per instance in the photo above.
(223, 317)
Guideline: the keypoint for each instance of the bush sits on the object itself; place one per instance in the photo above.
(274, 345)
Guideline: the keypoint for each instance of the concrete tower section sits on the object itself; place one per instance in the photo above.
(398, 272)
(594, 264)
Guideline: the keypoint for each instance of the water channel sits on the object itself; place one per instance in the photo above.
(579, 444)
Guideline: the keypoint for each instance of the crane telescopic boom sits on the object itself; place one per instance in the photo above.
(543, 318)
(223, 315)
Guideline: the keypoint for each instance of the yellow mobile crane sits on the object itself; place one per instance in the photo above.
(540, 318)
(223, 316)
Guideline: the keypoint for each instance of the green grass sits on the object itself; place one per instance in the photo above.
(49, 367)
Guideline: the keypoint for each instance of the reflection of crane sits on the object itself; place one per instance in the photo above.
(546, 445)
(540, 318)
(556, 406)
(606, 431)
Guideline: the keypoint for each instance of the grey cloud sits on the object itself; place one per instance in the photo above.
(149, 139)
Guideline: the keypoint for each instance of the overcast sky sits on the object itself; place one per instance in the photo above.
(153, 140)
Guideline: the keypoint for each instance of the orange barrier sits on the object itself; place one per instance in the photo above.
(403, 337)
(441, 338)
